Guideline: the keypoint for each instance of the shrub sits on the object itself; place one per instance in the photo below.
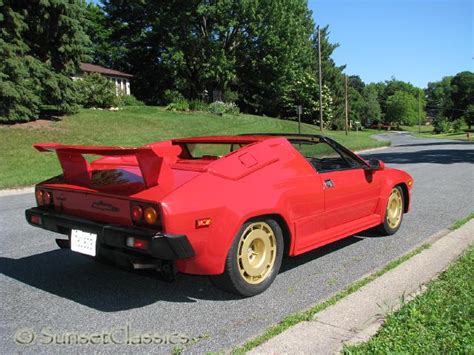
(219, 108)
(442, 125)
(95, 90)
(232, 108)
(179, 105)
(171, 96)
(129, 100)
(457, 125)
(198, 105)
(231, 96)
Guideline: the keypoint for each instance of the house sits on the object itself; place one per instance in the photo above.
(121, 80)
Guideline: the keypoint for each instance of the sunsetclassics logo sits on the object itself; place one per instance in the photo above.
(123, 335)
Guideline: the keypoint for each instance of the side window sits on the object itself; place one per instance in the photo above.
(354, 163)
(324, 157)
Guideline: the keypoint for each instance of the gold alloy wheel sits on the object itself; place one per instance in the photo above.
(394, 208)
(256, 252)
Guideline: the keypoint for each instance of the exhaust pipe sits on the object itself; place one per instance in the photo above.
(167, 269)
(63, 243)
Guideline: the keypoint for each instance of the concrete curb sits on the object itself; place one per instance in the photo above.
(21, 191)
(358, 316)
(371, 149)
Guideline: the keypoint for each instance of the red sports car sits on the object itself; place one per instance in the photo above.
(228, 206)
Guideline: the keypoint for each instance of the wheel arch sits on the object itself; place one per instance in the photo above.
(406, 196)
(287, 236)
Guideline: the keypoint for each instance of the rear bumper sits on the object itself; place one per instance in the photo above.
(112, 237)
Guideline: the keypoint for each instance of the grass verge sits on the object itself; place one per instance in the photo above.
(440, 321)
(21, 165)
(307, 315)
(459, 223)
(427, 132)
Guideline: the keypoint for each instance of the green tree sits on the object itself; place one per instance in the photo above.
(469, 116)
(19, 86)
(402, 108)
(356, 82)
(372, 111)
(42, 44)
(438, 97)
(257, 50)
(96, 26)
(462, 93)
(305, 92)
(357, 106)
(275, 54)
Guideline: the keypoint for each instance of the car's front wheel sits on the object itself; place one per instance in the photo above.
(393, 212)
(254, 258)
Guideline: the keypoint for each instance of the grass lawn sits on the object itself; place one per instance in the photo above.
(440, 321)
(21, 165)
(427, 132)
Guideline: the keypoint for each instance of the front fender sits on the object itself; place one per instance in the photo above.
(394, 177)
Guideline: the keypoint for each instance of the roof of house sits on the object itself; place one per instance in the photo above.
(92, 68)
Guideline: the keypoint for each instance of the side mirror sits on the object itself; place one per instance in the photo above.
(376, 164)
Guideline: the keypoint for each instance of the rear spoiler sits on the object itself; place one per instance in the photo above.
(150, 159)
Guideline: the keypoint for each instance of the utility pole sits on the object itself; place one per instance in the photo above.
(299, 110)
(347, 111)
(320, 83)
(419, 112)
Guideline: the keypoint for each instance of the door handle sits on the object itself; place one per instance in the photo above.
(329, 183)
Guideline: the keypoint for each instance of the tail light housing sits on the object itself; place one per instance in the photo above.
(44, 198)
(39, 197)
(145, 214)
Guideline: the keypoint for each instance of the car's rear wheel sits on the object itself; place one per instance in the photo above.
(254, 258)
(394, 212)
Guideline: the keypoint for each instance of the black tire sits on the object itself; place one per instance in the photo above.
(232, 280)
(387, 227)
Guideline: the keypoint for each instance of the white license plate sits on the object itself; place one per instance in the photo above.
(83, 242)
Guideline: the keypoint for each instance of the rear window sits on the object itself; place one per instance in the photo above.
(208, 150)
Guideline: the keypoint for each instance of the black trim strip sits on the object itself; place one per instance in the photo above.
(161, 245)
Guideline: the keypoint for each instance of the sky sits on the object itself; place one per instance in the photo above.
(416, 41)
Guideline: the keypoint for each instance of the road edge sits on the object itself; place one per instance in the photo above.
(19, 191)
(342, 323)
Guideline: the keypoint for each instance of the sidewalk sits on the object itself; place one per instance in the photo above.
(358, 316)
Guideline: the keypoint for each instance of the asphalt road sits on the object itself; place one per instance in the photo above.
(60, 295)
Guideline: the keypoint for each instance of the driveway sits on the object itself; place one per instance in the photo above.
(59, 295)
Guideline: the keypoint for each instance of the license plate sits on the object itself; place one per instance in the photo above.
(83, 242)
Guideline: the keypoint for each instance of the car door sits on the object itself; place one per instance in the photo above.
(350, 191)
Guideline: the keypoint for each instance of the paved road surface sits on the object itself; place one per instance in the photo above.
(54, 292)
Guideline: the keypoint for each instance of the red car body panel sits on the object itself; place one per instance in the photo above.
(267, 176)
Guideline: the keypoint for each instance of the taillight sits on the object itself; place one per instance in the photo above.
(44, 198)
(137, 213)
(144, 214)
(151, 215)
(39, 197)
(48, 198)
